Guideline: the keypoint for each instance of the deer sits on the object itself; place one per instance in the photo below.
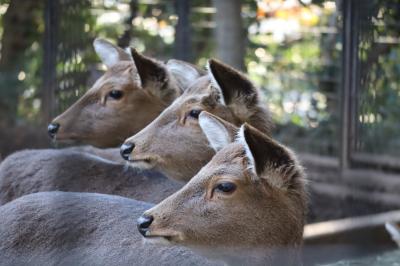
(131, 93)
(247, 206)
(135, 88)
(75, 228)
(166, 139)
(174, 143)
(251, 177)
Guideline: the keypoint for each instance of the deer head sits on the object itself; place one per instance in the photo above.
(246, 206)
(174, 142)
(132, 92)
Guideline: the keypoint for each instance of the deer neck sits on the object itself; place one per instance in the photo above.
(255, 256)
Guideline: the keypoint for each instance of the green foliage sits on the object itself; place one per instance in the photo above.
(379, 103)
(19, 77)
(299, 76)
(297, 66)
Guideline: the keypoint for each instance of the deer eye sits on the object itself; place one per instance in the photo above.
(195, 113)
(226, 187)
(115, 94)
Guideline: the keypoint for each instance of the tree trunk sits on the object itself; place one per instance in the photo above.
(49, 72)
(182, 49)
(20, 23)
(126, 37)
(229, 32)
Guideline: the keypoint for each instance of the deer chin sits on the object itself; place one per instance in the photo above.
(74, 140)
(157, 240)
(161, 239)
(143, 163)
(66, 139)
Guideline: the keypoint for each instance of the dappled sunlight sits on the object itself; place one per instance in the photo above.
(291, 39)
(295, 102)
(109, 18)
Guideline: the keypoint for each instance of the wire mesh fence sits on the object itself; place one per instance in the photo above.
(379, 87)
(295, 52)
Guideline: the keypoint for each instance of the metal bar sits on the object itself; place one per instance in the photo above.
(182, 49)
(125, 38)
(355, 81)
(49, 59)
(346, 81)
(349, 82)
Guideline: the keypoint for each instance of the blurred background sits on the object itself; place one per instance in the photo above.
(291, 49)
(328, 70)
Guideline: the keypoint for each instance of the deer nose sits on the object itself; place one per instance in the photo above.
(52, 129)
(143, 223)
(126, 149)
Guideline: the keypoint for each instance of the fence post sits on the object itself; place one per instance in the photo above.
(230, 34)
(349, 82)
(125, 38)
(182, 49)
(49, 73)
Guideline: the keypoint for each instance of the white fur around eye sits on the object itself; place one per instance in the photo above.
(215, 84)
(240, 138)
(216, 133)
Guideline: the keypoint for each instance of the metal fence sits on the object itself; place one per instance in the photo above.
(70, 64)
(371, 91)
(357, 72)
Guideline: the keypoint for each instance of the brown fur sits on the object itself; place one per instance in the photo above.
(77, 171)
(259, 223)
(65, 228)
(241, 96)
(174, 143)
(148, 87)
(96, 119)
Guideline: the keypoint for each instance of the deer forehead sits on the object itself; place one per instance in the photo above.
(202, 97)
(115, 80)
(195, 94)
(230, 154)
(228, 162)
(121, 67)
(183, 103)
(198, 85)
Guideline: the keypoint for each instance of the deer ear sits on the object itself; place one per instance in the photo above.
(218, 132)
(264, 154)
(109, 53)
(184, 72)
(234, 87)
(149, 70)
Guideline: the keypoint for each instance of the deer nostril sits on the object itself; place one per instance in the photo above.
(52, 129)
(126, 149)
(143, 223)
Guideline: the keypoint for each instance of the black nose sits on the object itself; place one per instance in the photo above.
(143, 223)
(52, 129)
(126, 150)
